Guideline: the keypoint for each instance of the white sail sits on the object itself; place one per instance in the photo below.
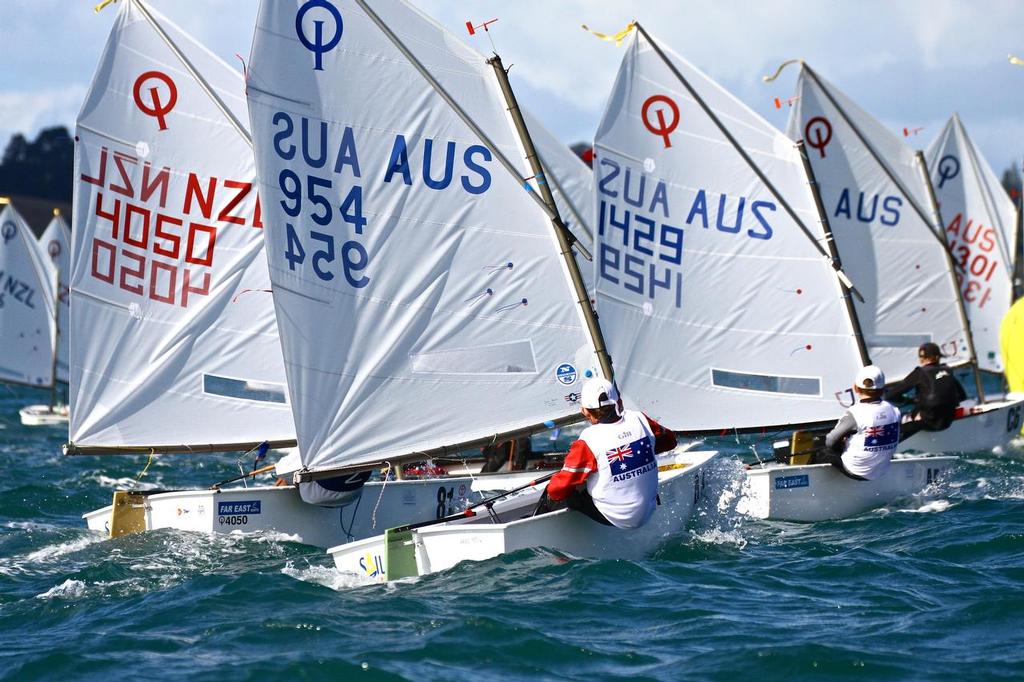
(980, 222)
(26, 305)
(420, 294)
(884, 229)
(56, 245)
(174, 339)
(717, 309)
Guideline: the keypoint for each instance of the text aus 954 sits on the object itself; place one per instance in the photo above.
(314, 189)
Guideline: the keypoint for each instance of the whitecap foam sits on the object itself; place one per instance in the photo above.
(327, 576)
(929, 507)
(69, 589)
(51, 552)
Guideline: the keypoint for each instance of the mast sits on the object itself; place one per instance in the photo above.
(941, 234)
(56, 339)
(749, 161)
(833, 249)
(1018, 244)
(564, 243)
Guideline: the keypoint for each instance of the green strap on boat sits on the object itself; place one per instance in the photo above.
(399, 554)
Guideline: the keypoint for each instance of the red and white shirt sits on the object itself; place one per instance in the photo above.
(617, 463)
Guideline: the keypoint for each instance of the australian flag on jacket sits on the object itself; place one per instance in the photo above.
(881, 437)
(631, 460)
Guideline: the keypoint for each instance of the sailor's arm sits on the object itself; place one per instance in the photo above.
(896, 390)
(579, 464)
(835, 441)
(664, 439)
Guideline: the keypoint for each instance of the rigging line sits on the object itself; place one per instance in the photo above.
(373, 516)
(746, 157)
(207, 88)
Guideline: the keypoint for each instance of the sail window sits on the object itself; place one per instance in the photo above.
(897, 340)
(241, 389)
(514, 357)
(766, 383)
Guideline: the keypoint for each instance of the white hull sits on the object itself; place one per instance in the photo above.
(984, 427)
(43, 415)
(819, 492)
(442, 546)
(281, 510)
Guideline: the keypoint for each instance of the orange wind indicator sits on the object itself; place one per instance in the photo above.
(789, 101)
(473, 29)
(907, 132)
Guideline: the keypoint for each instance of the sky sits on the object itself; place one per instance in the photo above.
(911, 63)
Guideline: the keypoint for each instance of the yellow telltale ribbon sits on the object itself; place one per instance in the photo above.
(616, 38)
(99, 8)
(778, 71)
(1016, 61)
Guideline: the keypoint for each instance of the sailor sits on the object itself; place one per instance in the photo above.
(937, 391)
(611, 473)
(863, 442)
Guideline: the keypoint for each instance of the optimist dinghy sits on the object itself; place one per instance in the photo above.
(921, 281)
(171, 264)
(511, 526)
(452, 290)
(28, 316)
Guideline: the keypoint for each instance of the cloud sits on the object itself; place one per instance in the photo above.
(29, 111)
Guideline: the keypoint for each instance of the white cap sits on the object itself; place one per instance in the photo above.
(870, 378)
(598, 392)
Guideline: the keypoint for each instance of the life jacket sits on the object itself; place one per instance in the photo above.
(625, 486)
(869, 451)
(937, 397)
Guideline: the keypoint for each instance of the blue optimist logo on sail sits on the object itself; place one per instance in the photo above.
(630, 461)
(318, 44)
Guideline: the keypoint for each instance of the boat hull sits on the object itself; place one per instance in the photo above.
(681, 483)
(819, 492)
(44, 415)
(984, 427)
(280, 509)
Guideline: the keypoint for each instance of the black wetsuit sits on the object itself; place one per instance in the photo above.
(937, 395)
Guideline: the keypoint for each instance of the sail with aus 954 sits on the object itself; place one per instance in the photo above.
(421, 295)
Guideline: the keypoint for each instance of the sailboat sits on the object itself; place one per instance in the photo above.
(889, 230)
(405, 226)
(710, 239)
(175, 346)
(55, 243)
(27, 306)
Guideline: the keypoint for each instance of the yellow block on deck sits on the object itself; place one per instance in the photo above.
(128, 514)
(801, 446)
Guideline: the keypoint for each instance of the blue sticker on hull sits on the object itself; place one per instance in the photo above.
(785, 482)
(247, 507)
